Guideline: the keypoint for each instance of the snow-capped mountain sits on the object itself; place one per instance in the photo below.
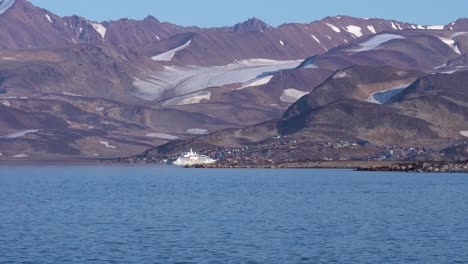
(113, 87)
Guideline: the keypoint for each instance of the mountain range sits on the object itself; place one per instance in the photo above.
(72, 88)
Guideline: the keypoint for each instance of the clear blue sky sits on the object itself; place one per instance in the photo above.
(214, 13)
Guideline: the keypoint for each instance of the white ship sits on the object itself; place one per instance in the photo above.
(193, 158)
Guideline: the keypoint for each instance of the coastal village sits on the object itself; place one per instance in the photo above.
(289, 150)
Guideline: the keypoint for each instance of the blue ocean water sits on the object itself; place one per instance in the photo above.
(151, 214)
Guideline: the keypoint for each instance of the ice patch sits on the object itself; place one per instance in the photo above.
(6, 103)
(292, 95)
(372, 29)
(451, 43)
(376, 42)
(100, 29)
(464, 133)
(282, 43)
(197, 131)
(107, 144)
(183, 80)
(8, 58)
(335, 28)
(100, 109)
(5, 5)
(157, 37)
(189, 99)
(19, 134)
(48, 18)
(355, 30)
(169, 55)
(161, 136)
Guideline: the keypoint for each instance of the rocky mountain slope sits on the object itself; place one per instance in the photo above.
(116, 88)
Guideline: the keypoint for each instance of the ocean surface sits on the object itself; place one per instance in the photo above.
(151, 214)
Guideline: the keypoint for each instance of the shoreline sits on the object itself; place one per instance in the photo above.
(376, 166)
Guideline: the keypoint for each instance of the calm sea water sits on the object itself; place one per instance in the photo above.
(168, 215)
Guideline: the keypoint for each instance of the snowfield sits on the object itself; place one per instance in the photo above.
(292, 95)
(376, 41)
(464, 133)
(5, 5)
(169, 55)
(184, 80)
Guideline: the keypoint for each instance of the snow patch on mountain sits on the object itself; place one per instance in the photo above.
(341, 75)
(100, 29)
(161, 136)
(464, 133)
(48, 18)
(197, 131)
(451, 43)
(335, 28)
(257, 82)
(318, 41)
(107, 144)
(189, 99)
(281, 42)
(437, 27)
(20, 156)
(355, 30)
(169, 55)
(185, 80)
(292, 95)
(372, 29)
(19, 134)
(376, 42)
(383, 96)
(6, 103)
(5, 5)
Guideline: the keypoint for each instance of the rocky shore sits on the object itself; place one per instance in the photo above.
(426, 166)
(297, 165)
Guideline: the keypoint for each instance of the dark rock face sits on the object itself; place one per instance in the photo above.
(251, 25)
